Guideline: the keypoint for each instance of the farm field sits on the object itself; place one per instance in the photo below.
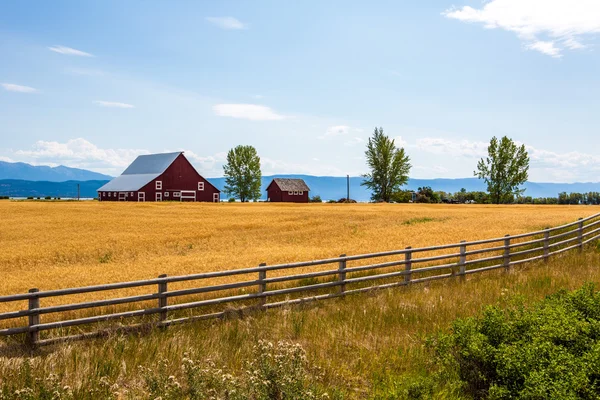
(361, 346)
(66, 244)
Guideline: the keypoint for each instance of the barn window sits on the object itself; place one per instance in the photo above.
(131, 194)
(200, 185)
(301, 193)
(166, 194)
(177, 194)
(125, 194)
(108, 194)
(296, 193)
(158, 185)
(115, 194)
(103, 194)
(291, 193)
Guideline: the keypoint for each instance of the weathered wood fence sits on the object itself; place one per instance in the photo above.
(395, 268)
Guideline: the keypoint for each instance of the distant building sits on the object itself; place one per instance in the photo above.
(160, 177)
(287, 190)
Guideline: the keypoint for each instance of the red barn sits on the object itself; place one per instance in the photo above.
(287, 190)
(160, 177)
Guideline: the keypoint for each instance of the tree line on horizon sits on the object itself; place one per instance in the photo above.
(504, 170)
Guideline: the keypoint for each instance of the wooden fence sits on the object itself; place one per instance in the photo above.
(394, 268)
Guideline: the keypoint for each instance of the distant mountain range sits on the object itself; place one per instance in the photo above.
(24, 180)
(61, 173)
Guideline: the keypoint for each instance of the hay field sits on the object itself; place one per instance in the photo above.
(53, 245)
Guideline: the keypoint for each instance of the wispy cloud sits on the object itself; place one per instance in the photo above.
(69, 51)
(113, 104)
(547, 26)
(11, 87)
(253, 112)
(227, 22)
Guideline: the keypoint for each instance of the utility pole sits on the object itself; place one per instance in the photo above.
(348, 187)
(78, 192)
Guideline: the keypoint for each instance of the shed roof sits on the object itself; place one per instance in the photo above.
(290, 184)
(141, 171)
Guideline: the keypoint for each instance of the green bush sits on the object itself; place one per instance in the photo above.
(316, 199)
(548, 351)
(231, 200)
(48, 198)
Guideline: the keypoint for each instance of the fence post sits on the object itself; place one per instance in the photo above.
(507, 253)
(408, 265)
(162, 299)
(462, 262)
(580, 234)
(546, 244)
(342, 275)
(262, 286)
(34, 318)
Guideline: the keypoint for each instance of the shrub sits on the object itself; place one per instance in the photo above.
(316, 199)
(549, 351)
(231, 200)
(30, 198)
(48, 197)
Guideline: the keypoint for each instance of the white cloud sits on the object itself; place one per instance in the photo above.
(113, 104)
(399, 142)
(547, 26)
(545, 165)
(545, 47)
(69, 51)
(227, 22)
(6, 159)
(253, 112)
(80, 153)
(11, 87)
(208, 166)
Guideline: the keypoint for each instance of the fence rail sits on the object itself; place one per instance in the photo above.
(340, 279)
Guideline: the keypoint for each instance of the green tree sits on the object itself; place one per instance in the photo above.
(242, 173)
(389, 166)
(504, 169)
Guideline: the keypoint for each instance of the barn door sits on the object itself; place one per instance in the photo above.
(215, 197)
(158, 196)
(141, 196)
(122, 196)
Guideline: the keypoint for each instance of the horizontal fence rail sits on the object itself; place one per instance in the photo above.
(333, 277)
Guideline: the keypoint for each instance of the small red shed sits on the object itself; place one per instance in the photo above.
(287, 190)
(160, 177)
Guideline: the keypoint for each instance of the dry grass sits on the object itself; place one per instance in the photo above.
(363, 343)
(67, 244)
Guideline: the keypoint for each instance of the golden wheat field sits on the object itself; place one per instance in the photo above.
(53, 245)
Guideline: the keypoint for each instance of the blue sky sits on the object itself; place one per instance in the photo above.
(93, 84)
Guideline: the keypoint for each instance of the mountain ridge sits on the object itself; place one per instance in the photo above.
(327, 187)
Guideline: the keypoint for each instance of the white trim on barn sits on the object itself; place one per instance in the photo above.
(187, 194)
(141, 196)
(216, 197)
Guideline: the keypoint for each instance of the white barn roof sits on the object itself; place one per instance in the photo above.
(143, 170)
